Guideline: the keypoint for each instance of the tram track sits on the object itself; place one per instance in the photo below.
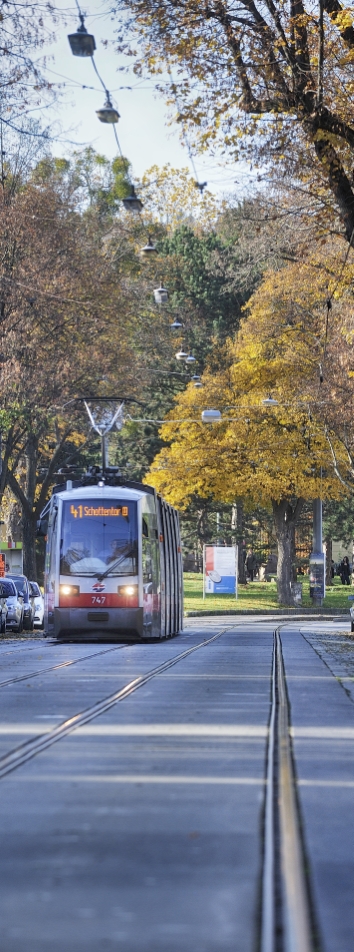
(26, 751)
(287, 910)
(287, 921)
(56, 667)
(67, 664)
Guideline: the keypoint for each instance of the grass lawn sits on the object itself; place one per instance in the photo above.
(257, 595)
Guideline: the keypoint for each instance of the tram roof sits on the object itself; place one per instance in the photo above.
(128, 491)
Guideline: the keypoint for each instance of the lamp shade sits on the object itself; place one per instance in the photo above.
(132, 203)
(148, 249)
(108, 113)
(161, 295)
(181, 355)
(270, 402)
(211, 416)
(82, 43)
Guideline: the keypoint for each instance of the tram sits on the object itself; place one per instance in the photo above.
(113, 565)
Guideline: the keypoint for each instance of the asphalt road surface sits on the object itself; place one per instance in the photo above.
(133, 789)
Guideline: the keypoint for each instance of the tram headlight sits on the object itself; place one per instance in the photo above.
(128, 590)
(70, 589)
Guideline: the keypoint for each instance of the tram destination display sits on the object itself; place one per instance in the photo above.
(82, 512)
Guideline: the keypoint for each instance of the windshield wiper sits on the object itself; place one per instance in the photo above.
(129, 550)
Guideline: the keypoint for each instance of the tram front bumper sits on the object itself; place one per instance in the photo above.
(69, 621)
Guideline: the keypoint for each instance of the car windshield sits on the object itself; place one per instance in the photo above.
(8, 587)
(20, 584)
(97, 534)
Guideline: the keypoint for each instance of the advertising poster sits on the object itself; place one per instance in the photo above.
(220, 570)
(317, 575)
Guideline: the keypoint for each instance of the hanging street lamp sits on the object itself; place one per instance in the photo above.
(181, 355)
(270, 402)
(176, 325)
(161, 295)
(190, 359)
(108, 113)
(132, 203)
(148, 249)
(82, 43)
(211, 416)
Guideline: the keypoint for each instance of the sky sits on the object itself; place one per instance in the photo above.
(146, 138)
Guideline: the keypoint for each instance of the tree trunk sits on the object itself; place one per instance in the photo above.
(28, 515)
(293, 558)
(328, 544)
(29, 520)
(237, 525)
(13, 522)
(285, 519)
(26, 498)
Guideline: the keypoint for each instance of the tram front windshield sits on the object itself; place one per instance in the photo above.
(99, 537)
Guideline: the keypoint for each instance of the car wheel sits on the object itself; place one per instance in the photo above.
(3, 624)
(20, 627)
(352, 625)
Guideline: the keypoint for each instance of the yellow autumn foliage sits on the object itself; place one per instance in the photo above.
(257, 452)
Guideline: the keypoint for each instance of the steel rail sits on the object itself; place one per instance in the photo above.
(24, 752)
(268, 878)
(55, 667)
(285, 858)
(296, 905)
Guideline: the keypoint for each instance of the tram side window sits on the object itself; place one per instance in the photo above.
(52, 550)
(146, 553)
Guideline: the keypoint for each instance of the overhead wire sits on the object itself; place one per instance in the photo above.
(200, 185)
(107, 93)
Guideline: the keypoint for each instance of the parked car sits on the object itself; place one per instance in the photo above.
(3, 609)
(14, 619)
(23, 591)
(38, 603)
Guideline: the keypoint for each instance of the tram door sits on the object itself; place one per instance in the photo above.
(151, 575)
(51, 566)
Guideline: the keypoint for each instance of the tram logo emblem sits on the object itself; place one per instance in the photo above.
(98, 587)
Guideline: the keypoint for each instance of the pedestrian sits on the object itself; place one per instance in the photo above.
(345, 571)
(251, 564)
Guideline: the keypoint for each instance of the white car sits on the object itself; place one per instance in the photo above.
(14, 618)
(38, 605)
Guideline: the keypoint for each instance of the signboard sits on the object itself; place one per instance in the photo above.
(82, 512)
(220, 570)
(2, 566)
(317, 575)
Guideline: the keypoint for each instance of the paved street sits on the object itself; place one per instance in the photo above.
(142, 828)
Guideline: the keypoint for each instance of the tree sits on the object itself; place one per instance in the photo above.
(66, 322)
(269, 82)
(277, 455)
(202, 261)
(23, 84)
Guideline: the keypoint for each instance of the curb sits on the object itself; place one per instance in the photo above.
(314, 612)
